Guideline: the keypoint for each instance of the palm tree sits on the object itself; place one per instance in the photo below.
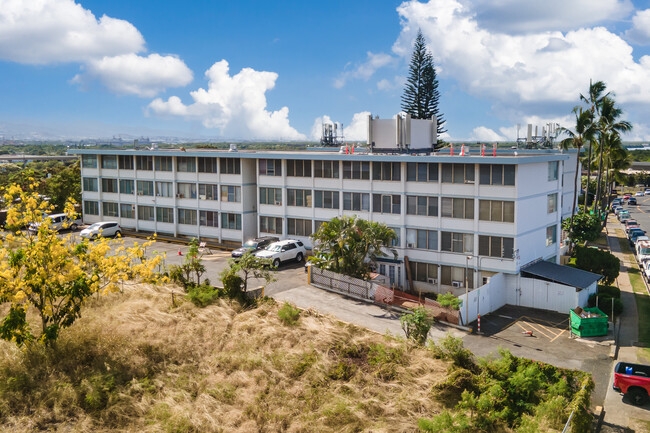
(617, 158)
(608, 124)
(584, 132)
(594, 98)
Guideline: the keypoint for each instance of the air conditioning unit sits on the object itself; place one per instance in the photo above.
(457, 284)
(410, 245)
(486, 280)
(432, 280)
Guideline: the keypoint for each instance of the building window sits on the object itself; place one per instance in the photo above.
(230, 165)
(187, 216)
(326, 169)
(186, 164)
(271, 225)
(231, 193)
(497, 174)
(125, 162)
(298, 227)
(110, 209)
(424, 272)
(207, 165)
(496, 210)
(126, 186)
(90, 184)
(209, 218)
(456, 276)
(387, 203)
(495, 246)
(164, 163)
(208, 191)
(231, 221)
(146, 213)
(386, 170)
(164, 189)
(109, 162)
(271, 167)
(109, 185)
(422, 239)
(165, 214)
(552, 202)
(298, 168)
(553, 168)
(458, 208)
(551, 235)
(145, 187)
(317, 224)
(357, 201)
(89, 161)
(396, 242)
(356, 170)
(421, 205)
(126, 210)
(457, 173)
(326, 199)
(272, 196)
(299, 197)
(457, 242)
(186, 190)
(421, 172)
(144, 163)
(91, 208)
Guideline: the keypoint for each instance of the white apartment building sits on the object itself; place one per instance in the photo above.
(458, 218)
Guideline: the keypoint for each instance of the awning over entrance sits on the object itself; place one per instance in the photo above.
(560, 274)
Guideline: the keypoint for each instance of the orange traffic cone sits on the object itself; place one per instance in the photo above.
(180, 253)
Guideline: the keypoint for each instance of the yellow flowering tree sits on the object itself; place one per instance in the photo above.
(54, 274)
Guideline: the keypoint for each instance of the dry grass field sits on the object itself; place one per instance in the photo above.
(134, 362)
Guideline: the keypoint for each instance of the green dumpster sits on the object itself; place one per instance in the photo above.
(588, 322)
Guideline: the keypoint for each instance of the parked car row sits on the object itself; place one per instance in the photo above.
(271, 247)
(635, 234)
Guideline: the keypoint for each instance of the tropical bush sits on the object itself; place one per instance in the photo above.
(599, 262)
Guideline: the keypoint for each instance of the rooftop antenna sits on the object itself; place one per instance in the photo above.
(332, 134)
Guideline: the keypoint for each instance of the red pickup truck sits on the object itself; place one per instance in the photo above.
(633, 380)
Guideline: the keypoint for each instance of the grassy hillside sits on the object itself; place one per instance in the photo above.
(134, 362)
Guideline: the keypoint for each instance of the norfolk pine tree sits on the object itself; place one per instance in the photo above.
(421, 96)
(53, 275)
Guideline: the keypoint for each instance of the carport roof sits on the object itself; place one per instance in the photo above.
(561, 274)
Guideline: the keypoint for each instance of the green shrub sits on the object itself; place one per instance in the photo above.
(599, 262)
(451, 348)
(417, 324)
(385, 360)
(289, 314)
(449, 300)
(605, 304)
(204, 294)
(446, 422)
(612, 291)
(232, 286)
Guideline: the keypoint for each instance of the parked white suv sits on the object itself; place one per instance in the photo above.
(283, 251)
(104, 229)
(58, 221)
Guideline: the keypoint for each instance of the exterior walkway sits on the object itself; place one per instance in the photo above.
(616, 411)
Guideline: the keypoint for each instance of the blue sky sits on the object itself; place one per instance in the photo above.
(277, 69)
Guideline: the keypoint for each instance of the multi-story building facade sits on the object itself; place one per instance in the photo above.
(459, 219)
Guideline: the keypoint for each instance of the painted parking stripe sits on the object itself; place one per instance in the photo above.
(558, 335)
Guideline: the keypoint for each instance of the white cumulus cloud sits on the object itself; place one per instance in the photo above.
(357, 130)
(640, 31)
(523, 69)
(517, 16)
(236, 105)
(138, 75)
(62, 31)
(483, 133)
(364, 70)
(51, 31)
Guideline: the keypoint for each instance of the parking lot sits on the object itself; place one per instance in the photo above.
(288, 275)
(544, 336)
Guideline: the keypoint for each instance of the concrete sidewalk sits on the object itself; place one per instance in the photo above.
(616, 411)
(349, 310)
